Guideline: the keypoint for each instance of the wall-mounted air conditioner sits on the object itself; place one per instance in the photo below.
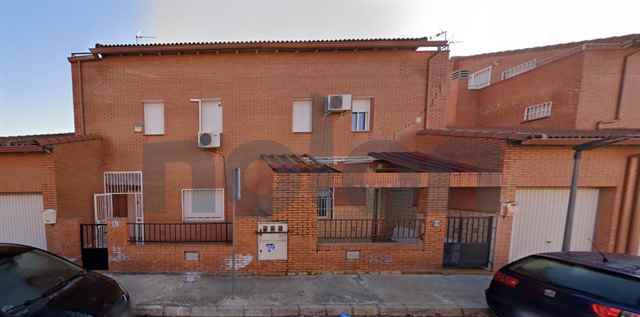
(209, 140)
(337, 103)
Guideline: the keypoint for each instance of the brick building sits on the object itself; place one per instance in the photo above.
(355, 155)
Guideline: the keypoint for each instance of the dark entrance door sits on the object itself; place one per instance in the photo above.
(93, 243)
(468, 242)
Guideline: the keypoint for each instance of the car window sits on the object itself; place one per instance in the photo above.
(27, 275)
(609, 286)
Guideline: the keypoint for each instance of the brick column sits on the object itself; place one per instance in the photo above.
(294, 202)
(437, 203)
(117, 241)
(502, 244)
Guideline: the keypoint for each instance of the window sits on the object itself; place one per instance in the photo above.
(539, 111)
(302, 116)
(203, 204)
(360, 114)
(325, 203)
(480, 79)
(210, 116)
(153, 118)
(519, 69)
(608, 286)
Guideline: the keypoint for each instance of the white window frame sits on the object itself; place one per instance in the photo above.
(150, 128)
(298, 113)
(480, 79)
(326, 194)
(365, 111)
(213, 216)
(519, 69)
(538, 111)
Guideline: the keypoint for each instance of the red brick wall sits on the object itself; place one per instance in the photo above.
(503, 103)
(78, 177)
(481, 152)
(600, 86)
(257, 91)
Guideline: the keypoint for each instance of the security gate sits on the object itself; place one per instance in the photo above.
(93, 242)
(468, 242)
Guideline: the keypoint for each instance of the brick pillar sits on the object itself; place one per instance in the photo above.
(437, 90)
(294, 202)
(437, 203)
(117, 241)
(502, 244)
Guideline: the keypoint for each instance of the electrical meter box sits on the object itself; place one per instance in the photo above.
(272, 241)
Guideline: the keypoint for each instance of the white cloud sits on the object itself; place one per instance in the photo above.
(477, 26)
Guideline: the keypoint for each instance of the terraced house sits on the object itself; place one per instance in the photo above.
(354, 155)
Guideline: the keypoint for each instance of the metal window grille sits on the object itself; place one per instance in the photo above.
(538, 111)
(123, 182)
(325, 203)
(519, 69)
(359, 121)
(480, 79)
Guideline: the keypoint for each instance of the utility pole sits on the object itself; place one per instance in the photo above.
(577, 157)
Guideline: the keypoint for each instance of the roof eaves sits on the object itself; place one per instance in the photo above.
(105, 49)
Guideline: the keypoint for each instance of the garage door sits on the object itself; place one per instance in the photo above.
(21, 219)
(538, 224)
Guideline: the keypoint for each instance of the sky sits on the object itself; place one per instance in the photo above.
(36, 37)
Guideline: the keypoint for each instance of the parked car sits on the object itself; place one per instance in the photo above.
(34, 282)
(572, 284)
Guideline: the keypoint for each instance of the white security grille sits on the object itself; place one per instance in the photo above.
(538, 111)
(480, 79)
(123, 182)
(519, 69)
(325, 203)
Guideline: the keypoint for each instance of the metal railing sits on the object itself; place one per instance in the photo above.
(93, 236)
(371, 230)
(181, 232)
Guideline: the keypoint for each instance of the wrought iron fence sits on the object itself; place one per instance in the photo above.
(93, 236)
(371, 230)
(181, 232)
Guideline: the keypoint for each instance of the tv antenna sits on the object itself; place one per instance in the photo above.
(140, 36)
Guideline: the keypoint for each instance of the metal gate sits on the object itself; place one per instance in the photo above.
(93, 243)
(468, 242)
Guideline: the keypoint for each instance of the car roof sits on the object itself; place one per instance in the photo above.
(11, 250)
(620, 263)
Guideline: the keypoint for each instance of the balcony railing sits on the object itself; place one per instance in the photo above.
(371, 230)
(181, 232)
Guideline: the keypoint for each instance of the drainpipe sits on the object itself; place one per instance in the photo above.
(623, 75)
(577, 156)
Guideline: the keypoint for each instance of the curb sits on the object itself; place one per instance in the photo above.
(357, 310)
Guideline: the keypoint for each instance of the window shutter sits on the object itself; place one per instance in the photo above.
(302, 116)
(362, 106)
(210, 116)
(153, 118)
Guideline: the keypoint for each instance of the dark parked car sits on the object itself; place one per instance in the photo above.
(34, 282)
(572, 284)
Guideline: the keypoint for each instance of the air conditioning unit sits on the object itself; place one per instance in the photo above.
(209, 140)
(337, 103)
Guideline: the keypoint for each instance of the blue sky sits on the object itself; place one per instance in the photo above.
(37, 36)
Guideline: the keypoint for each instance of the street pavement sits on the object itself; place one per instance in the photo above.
(194, 294)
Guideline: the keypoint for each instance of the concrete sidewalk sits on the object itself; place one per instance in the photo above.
(320, 295)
